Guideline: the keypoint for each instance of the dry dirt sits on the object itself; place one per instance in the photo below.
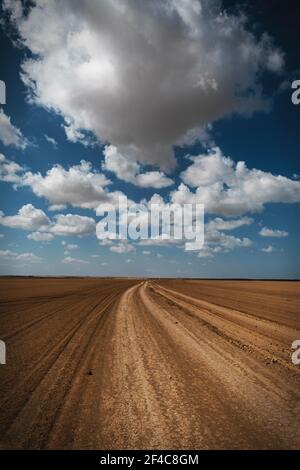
(128, 364)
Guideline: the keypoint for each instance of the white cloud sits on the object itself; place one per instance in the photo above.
(71, 246)
(29, 258)
(268, 232)
(35, 220)
(268, 249)
(218, 242)
(7, 254)
(153, 179)
(10, 172)
(57, 207)
(9, 134)
(208, 252)
(122, 247)
(25, 257)
(141, 75)
(230, 224)
(130, 171)
(51, 140)
(227, 242)
(40, 236)
(208, 169)
(75, 135)
(27, 218)
(72, 224)
(78, 186)
(229, 188)
(158, 241)
(105, 242)
(70, 260)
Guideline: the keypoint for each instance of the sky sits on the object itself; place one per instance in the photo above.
(176, 101)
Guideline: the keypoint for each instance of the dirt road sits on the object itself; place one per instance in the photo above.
(123, 364)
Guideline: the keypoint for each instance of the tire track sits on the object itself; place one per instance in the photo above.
(240, 329)
(24, 395)
(273, 399)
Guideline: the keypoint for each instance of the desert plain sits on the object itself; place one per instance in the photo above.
(149, 364)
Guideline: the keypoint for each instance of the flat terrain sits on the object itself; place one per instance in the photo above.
(121, 364)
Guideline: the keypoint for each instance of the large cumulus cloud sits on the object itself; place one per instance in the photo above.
(141, 75)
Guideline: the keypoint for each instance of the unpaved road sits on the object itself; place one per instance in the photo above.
(124, 364)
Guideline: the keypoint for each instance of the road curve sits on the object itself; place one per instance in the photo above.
(134, 364)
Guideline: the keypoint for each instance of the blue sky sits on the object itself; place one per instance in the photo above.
(155, 101)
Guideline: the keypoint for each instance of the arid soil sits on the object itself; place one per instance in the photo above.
(150, 364)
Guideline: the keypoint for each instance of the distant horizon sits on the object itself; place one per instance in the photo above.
(151, 278)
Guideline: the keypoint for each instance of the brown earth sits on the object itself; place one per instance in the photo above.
(126, 364)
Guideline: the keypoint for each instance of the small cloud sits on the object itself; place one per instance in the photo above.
(105, 242)
(51, 141)
(26, 257)
(29, 258)
(73, 224)
(9, 134)
(122, 248)
(40, 236)
(268, 249)
(10, 171)
(268, 232)
(220, 224)
(71, 246)
(57, 207)
(70, 260)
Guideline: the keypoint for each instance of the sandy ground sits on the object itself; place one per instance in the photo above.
(124, 364)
